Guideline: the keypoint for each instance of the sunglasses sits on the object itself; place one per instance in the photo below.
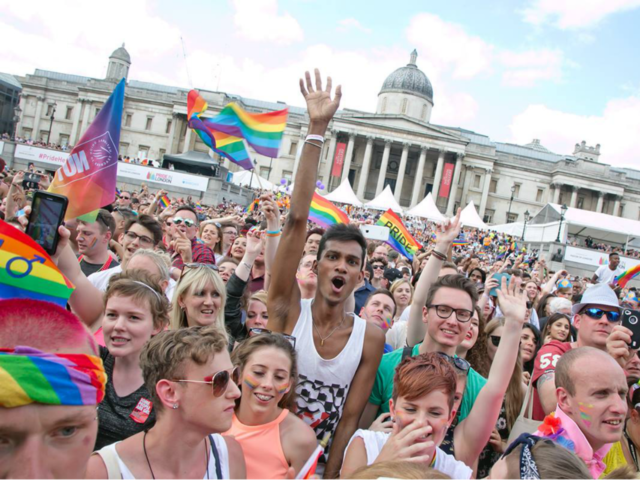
(495, 339)
(377, 267)
(597, 313)
(264, 331)
(218, 381)
(460, 363)
(188, 222)
(194, 266)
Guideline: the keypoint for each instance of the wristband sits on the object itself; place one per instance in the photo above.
(320, 138)
(273, 232)
(440, 256)
(311, 143)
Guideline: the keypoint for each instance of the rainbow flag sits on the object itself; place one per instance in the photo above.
(627, 275)
(164, 201)
(460, 241)
(309, 468)
(325, 213)
(198, 206)
(88, 176)
(399, 237)
(263, 131)
(253, 206)
(223, 144)
(26, 270)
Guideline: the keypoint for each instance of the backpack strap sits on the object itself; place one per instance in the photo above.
(406, 352)
(110, 459)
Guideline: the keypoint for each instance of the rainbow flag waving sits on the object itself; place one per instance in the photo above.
(399, 237)
(627, 275)
(460, 241)
(263, 131)
(88, 177)
(26, 270)
(164, 201)
(223, 144)
(325, 213)
(254, 205)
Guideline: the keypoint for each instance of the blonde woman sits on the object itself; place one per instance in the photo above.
(211, 235)
(402, 292)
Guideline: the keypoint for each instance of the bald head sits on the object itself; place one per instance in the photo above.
(573, 363)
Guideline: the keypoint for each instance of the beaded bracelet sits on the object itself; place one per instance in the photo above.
(440, 256)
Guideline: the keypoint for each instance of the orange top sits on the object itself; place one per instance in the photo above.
(262, 447)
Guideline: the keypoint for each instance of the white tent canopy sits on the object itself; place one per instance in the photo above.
(427, 209)
(344, 194)
(510, 228)
(385, 201)
(249, 178)
(470, 218)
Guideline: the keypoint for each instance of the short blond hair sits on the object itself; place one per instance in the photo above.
(165, 355)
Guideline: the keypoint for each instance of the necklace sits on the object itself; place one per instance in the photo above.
(313, 322)
(632, 447)
(144, 448)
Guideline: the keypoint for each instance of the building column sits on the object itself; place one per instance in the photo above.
(485, 192)
(326, 176)
(85, 119)
(468, 171)
(348, 156)
(438, 176)
(417, 182)
(402, 169)
(574, 197)
(600, 202)
(454, 185)
(299, 147)
(364, 171)
(36, 119)
(557, 187)
(616, 206)
(383, 167)
(73, 138)
(187, 138)
(172, 133)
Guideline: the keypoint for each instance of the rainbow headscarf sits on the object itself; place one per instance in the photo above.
(30, 376)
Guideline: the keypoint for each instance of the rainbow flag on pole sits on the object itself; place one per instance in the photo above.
(254, 205)
(399, 237)
(26, 270)
(88, 177)
(325, 213)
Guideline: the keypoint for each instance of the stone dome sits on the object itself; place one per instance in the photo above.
(409, 79)
(121, 54)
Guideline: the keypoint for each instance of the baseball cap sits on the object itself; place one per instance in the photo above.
(564, 283)
(392, 274)
(600, 294)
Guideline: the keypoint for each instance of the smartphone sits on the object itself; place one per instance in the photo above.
(47, 214)
(31, 181)
(631, 320)
(499, 276)
(375, 232)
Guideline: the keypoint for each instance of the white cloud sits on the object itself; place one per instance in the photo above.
(574, 14)
(525, 69)
(616, 129)
(351, 23)
(259, 21)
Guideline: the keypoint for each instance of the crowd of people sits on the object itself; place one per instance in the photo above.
(36, 143)
(216, 342)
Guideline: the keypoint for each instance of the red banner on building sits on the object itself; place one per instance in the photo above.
(338, 159)
(447, 176)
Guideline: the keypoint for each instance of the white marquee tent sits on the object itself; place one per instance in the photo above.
(427, 209)
(470, 218)
(385, 201)
(344, 194)
(247, 178)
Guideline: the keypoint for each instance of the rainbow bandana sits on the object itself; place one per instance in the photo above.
(29, 376)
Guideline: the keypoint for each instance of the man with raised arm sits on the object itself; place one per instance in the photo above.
(339, 352)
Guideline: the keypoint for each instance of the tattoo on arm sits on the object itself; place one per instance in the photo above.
(544, 378)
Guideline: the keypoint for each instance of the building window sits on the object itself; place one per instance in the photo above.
(149, 123)
(493, 186)
(67, 116)
(512, 218)
(292, 148)
(64, 140)
(161, 153)
(286, 174)
(404, 106)
(26, 133)
(143, 152)
(488, 216)
(476, 181)
(127, 120)
(516, 190)
(384, 105)
(580, 202)
(44, 136)
(424, 112)
(168, 129)
(124, 148)
(539, 195)
(49, 109)
(265, 172)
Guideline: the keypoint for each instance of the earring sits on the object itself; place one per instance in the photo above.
(175, 406)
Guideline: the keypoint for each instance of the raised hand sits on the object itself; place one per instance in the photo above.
(255, 242)
(449, 230)
(618, 345)
(320, 107)
(270, 208)
(513, 302)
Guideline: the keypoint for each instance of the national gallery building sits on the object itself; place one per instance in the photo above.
(396, 146)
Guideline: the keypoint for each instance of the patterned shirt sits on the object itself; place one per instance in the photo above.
(200, 253)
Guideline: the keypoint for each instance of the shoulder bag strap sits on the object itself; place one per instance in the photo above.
(216, 455)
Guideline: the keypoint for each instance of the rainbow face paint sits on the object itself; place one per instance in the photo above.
(251, 381)
(283, 389)
(387, 323)
(584, 413)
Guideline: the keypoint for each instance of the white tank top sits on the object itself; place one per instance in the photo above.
(323, 385)
(218, 441)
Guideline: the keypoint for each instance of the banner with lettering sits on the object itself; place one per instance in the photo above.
(338, 159)
(447, 176)
(88, 177)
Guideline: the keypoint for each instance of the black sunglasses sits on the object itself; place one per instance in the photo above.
(596, 314)
(460, 363)
(495, 339)
(265, 331)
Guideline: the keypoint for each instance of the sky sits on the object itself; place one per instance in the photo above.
(561, 71)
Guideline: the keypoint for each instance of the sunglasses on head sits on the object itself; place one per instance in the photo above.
(218, 381)
(495, 339)
(194, 266)
(188, 222)
(460, 363)
(597, 313)
(263, 331)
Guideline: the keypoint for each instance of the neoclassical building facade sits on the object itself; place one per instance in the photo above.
(397, 145)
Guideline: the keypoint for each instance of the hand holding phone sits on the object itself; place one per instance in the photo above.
(47, 214)
(631, 320)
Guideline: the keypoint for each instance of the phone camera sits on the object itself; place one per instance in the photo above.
(633, 320)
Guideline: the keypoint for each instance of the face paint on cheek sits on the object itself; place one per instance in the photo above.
(386, 323)
(93, 244)
(585, 408)
(251, 381)
(283, 389)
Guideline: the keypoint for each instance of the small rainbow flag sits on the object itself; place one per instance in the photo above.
(198, 206)
(164, 201)
(253, 206)
(309, 468)
(626, 276)
(26, 270)
(460, 241)
(118, 192)
(325, 213)
(399, 237)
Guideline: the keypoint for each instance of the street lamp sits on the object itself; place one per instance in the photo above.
(16, 118)
(53, 112)
(513, 191)
(526, 219)
(563, 210)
